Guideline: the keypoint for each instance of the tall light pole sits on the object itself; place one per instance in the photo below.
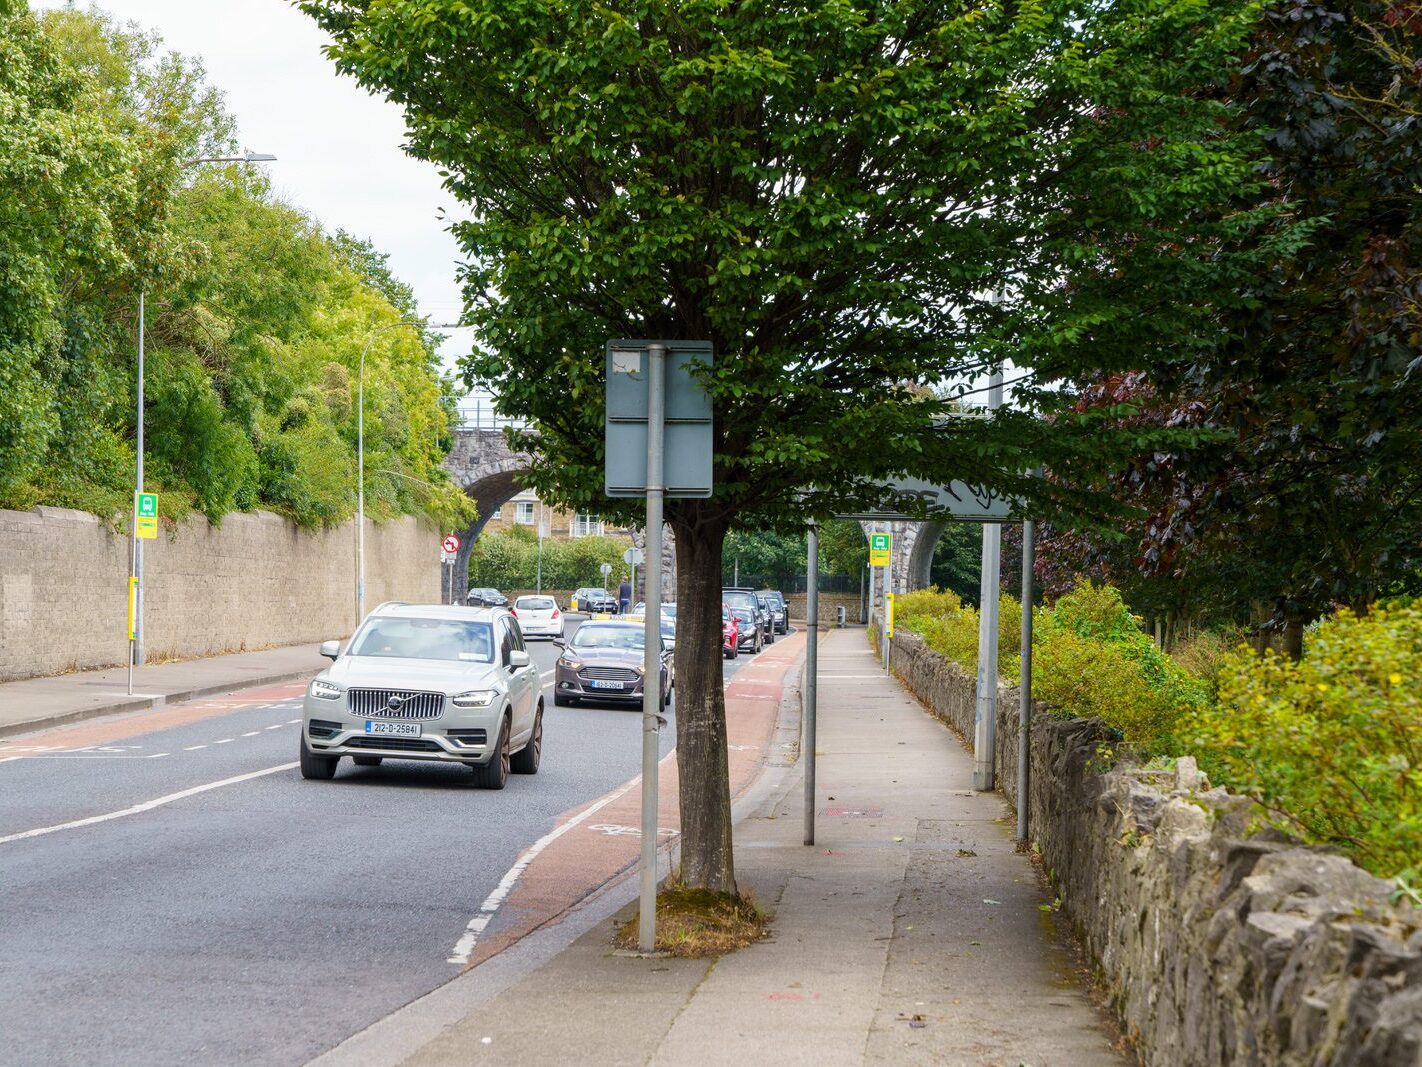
(360, 452)
(135, 637)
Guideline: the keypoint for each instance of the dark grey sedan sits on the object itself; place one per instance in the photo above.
(603, 661)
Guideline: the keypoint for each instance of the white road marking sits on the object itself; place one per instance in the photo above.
(464, 948)
(278, 726)
(252, 733)
(292, 722)
(147, 805)
(156, 755)
(193, 748)
(225, 741)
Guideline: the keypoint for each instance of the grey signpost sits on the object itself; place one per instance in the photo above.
(812, 662)
(658, 444)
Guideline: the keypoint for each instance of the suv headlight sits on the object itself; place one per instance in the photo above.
(475, 698)
(639, 668)
(570, 663)
(325, 690)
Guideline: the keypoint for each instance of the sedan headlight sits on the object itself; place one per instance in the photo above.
(475, 698)
(325, 690)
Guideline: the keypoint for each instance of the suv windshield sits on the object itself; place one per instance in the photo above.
(609, 635)
(740, 600)
(443, 639)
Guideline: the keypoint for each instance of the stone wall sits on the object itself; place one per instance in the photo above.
(1217, 942)
(255, 581)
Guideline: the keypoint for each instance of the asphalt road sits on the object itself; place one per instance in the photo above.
(264, 919)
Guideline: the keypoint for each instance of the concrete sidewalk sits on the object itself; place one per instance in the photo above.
(911, 933)
(38, 703)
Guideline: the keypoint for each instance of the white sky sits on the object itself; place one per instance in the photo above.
(337, 148)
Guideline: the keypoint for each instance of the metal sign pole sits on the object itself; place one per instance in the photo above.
(652, 655)
(1024, 709)
(812, 665)
(137, 647)
(985, 723)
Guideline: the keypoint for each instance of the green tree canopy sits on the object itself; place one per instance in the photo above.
(830, 193)
(255, 317)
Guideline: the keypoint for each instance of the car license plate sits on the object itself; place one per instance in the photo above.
(606, 685)
(393, 729)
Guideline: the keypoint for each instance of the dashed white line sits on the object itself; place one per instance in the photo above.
(156, 755)
(251, 733)
(278, 726)
(292, 722)
(147, 805)
(193, 748)
(225, 741)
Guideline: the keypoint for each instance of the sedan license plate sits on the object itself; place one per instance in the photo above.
(393, 729)
(606, 685)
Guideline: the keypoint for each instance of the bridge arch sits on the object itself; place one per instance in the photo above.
(485, 467)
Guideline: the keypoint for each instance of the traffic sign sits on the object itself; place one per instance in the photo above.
(633, 557)
(956, 500)
(880, 546)
(606, 569)
(687, 441)
(451, 543)
(145, 511)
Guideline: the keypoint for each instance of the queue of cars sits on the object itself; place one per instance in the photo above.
(456, 684)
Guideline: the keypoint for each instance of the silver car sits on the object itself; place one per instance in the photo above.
(427, 682)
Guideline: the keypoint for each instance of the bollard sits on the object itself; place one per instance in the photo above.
(839, 617)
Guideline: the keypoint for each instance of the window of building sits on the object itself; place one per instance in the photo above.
(586, 524)
(523, 512)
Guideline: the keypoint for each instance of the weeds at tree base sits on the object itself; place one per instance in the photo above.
(694, 923)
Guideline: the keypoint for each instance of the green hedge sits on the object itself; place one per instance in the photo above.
(510, 560)
(1332, 744)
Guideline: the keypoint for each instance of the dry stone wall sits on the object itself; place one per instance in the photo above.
(1218, 942)
(255, 581)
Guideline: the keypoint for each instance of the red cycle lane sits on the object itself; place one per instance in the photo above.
(593, 845)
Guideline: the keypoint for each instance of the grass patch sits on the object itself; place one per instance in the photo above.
(693, 923)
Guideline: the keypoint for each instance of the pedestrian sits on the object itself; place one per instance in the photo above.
(624, 596)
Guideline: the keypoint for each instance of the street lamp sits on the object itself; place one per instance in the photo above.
(135, 636)
(360, 452)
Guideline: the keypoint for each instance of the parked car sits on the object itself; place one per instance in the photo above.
(768, 608)
(538, 616)
(750, 636)
(746, 598)
(603, 661)
(730, 633)
(779, 610)
(435, 682)
(592, 599)
(487, 598)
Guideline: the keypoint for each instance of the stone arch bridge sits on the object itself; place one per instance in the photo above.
(485, 467)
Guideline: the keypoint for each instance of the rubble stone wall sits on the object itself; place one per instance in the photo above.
(1218, 941)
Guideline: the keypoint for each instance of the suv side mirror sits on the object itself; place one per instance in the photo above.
(518, 658)
(330, 649)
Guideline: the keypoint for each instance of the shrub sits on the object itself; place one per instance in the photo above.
(1332, 744)
(1091, 658)
(950, 627)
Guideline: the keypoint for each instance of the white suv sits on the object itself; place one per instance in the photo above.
(427, 682)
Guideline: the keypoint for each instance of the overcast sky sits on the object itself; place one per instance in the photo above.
(337, 148)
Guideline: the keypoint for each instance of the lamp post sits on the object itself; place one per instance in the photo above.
(360, 452)
(135, 636)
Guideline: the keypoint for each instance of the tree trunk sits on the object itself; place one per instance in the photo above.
(702, 767)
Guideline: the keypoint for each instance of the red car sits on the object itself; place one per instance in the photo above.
(730, 633)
